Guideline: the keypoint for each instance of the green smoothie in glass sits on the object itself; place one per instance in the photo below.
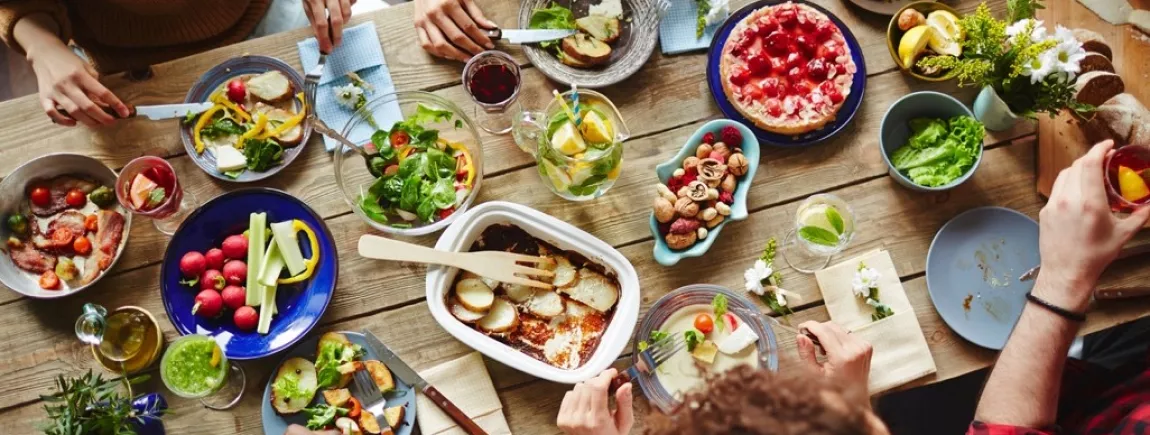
(194, 366)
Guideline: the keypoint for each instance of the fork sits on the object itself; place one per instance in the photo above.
(311, 82)
(497, 265)
(372, 399)
(650, 359)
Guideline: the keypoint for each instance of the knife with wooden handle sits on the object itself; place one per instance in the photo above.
(1121, 293)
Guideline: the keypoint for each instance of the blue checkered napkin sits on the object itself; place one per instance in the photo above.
(677, 29)
(359, 52)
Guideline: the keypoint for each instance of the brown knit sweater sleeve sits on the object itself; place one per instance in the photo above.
(13, 11)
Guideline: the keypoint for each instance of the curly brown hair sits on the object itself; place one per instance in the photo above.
(758, 402)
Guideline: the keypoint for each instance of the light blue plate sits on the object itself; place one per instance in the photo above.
(664, 254)
(275, 424)
(978, 256)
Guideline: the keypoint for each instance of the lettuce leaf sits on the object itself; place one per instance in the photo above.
(554, 17)
(939, 151)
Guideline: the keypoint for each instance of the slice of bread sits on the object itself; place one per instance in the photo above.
(474, 294)
(1093, 41)
(595, 290)
(600, 27)
(546, 304)
(1095, 61)
(1096, 87)
(272, 87)
(586, 49)
(503, 317)
(1124, 119)
(290, 137)
(462, 313)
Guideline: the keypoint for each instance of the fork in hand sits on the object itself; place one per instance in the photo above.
(650, 359)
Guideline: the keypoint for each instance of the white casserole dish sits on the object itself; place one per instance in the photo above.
(468, 227)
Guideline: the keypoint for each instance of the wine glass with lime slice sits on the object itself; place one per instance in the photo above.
(824, 226)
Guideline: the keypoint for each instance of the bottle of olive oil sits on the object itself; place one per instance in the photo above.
(118, 337)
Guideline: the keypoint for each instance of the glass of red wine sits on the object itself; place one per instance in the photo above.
(1128, 178)
(148, 186)
(492, 79)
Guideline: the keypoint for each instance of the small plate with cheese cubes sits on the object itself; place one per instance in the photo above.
(257, 124)
(254, 268)
(722, 329)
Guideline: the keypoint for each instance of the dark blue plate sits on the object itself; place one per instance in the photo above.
(216, 77)
(972, 271)
(275, 424)
(845, 113)
(300, 305)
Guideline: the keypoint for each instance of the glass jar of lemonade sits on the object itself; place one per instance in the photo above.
(580, 151)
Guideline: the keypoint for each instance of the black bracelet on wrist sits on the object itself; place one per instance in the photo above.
(1064, 313)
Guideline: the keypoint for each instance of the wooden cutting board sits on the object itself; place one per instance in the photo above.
(1060, 141)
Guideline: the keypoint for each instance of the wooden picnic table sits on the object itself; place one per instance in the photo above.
(663, 104)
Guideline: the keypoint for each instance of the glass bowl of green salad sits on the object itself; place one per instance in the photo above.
(419, 165)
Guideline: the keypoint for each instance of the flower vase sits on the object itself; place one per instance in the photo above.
(994, 113)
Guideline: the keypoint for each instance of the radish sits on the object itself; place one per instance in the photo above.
(237, 91)
(234, 296)
(212, 280)
(208, 304)
(215, 258)
(246, 318)
(193, 264)
(731, 322)
(235, 247)
(235, 272)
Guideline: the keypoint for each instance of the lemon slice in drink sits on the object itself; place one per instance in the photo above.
(913, 43)
(595, 129)
(567, 140)
(947, 33)
(558, 177)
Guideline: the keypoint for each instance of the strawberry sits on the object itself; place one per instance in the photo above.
(726, 198)
(731, 136)
(709, 138)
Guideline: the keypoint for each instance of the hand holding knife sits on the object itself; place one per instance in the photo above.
(156, 112)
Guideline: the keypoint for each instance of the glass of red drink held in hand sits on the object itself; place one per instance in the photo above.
(148, 186)
(492, 79)
(1128, 178)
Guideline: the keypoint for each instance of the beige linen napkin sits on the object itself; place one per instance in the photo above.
(901, 354)
(466, 383)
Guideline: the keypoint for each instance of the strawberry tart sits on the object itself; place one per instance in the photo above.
(787, 68)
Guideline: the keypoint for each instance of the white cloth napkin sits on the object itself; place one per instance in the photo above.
(360, 52)
(901, 353)
(467, 384)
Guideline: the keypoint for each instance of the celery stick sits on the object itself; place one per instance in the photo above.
(285, 235)
(273, 265)
(268, 300)
(257, 229)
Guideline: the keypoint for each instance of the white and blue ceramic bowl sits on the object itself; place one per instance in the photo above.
(669, 257)
(894, 132)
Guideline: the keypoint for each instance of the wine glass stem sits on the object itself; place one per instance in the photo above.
(170, 224)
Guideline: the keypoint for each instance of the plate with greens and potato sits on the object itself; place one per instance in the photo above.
(614, 39)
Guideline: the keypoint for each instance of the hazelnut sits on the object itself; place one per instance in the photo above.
(716, 221)
(665, 192)
(910, 18)
(711, 169)
(679, 172)
(737, 164)
(713, 183)
(664, 211)
(728, 184)
(703, 151)
(686, 207)
(681, 241)
(708, 213)
(690, 163)
(702, 233)
(682, 193)
(723, 208)
(712, 194)
(696, 190)
(722, 149)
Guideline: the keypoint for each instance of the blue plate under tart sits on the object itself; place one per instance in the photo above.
(219, 75)
(300, 305)
(845, 114)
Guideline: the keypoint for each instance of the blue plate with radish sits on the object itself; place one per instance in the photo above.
(256, 298)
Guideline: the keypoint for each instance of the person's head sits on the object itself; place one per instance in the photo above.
(758, 402)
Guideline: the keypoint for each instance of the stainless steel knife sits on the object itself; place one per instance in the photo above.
(527, 36)
(409, 376)
(158, 111)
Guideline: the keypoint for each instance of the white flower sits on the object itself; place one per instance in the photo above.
(1062, 34)
(1040, 67)
(1038, 33)
(782, 294)
(755, 276)
(865, 279)
(1067, 56)
(348, 95)
(719, 11)
(782, 300)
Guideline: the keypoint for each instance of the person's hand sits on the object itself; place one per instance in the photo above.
(296, 429)
(452, 28)
(327, 19)
(848, 357)
(584, 409)
(67, 81)
(1078, 235)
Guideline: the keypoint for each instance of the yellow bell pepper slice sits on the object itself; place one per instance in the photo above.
(309, 263)
(220, 99)
(205, 118)
(470, 165)
(261, 122)
(291, 122)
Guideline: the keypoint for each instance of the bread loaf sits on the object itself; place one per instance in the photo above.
(1095, 87)
(1093, 41)
(1122, 118)
(1095, 61)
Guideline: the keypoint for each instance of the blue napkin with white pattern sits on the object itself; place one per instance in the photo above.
(677, 29)
(359, 52)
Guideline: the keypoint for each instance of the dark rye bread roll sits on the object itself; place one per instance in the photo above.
(1095, 87)
(1122, 118)
(1093, 41)
(1095, 62)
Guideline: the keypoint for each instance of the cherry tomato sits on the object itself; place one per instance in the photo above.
(82, 246)
(443, 214)
(76, 198)
(704, 323)
(40, 196)
(91, 222)
(62, 237)
(49, 280)
(399, 138)
(355, 407)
